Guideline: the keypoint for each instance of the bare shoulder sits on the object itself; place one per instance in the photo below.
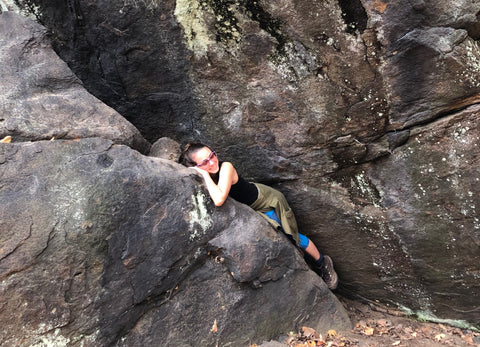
(228, 170)
(227, 165)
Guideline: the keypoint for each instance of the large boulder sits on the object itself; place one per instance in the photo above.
(101, 245)
(430, 207)
(145, 78)
(40, 97)
(339, 104)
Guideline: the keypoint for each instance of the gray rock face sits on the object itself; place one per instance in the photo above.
(40, 98)
(101, 245)
(432, 210)
(88, 38)
(364, 113)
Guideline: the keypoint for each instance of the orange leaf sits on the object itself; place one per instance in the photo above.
(380, 6)
(383, 323)
(368, 331)
(310, 333)
(332, 333)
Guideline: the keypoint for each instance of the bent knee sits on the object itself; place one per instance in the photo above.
(304, 241)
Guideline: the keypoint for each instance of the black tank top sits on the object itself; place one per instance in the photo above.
(242, 191)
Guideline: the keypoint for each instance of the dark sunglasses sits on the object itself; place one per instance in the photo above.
(206, 161)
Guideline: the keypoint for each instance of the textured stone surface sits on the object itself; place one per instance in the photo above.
(324, 99)
(101, 245)
(432, 210)
(40, 97)
(166, 148)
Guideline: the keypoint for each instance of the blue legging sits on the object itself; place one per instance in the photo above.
(304, 241)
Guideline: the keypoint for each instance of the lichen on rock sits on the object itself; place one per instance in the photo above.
(191, 15)
(200, 219)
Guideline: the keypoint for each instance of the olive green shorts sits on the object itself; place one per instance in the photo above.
(271, 199)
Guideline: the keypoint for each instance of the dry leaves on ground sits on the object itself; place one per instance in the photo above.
(308, 337)
(369, 332)
(445, 335)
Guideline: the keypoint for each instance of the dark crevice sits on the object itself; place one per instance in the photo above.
(472, 27)
(400, 136)
(266, 22)
(440, 115)
(353, 153)
(354, 15)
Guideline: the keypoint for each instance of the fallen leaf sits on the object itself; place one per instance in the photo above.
(396, 343)
(6, 139)
(457, 332)
(439, 337)
(383, 323)
(214, 327)
(426, 330)
(332, 333)
(309, 333)
(368, 331)
(380, 6)
(361, 324)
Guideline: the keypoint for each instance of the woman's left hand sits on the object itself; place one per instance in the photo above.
(199, 170)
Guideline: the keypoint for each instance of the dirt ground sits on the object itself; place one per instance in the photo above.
(379, 326)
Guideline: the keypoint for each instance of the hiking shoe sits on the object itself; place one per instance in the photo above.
(327, 272)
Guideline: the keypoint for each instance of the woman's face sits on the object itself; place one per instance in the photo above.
(206, 160)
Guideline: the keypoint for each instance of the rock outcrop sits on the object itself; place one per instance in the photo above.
(40, 97)
(101, 245)
(364, 113)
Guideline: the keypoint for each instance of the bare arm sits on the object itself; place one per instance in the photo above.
(219, 192)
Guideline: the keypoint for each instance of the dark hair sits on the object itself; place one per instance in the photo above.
(189, 150)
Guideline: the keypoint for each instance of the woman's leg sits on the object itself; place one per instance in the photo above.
(323, 264)
(313, 251)
(268, 199)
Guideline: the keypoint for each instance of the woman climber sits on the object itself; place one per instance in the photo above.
(222, 180)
